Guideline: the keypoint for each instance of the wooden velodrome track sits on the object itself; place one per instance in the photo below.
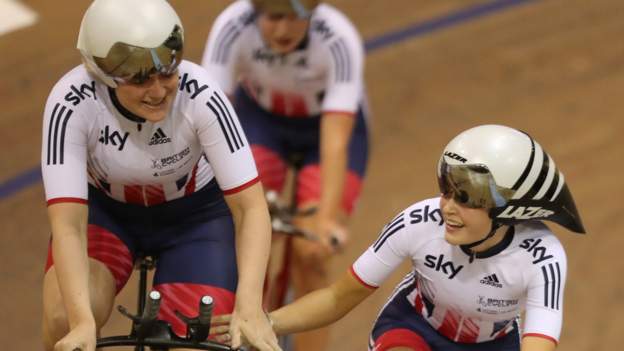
(552, 68)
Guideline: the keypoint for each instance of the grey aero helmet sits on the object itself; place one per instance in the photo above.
(508, 173)
(129, 40)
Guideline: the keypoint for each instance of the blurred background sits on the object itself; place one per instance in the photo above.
(552, 68)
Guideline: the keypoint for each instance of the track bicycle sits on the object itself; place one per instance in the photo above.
(149, 331)
(283, 214)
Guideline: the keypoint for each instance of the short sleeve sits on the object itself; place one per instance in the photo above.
(220, 57)
(376, 264)
(64, 149)
(544, 310)
(223, 140)
(345, 54)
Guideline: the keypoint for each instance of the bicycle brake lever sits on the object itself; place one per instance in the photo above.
(306, 212)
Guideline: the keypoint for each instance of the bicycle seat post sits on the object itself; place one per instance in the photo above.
(145, 263)
(295, 160)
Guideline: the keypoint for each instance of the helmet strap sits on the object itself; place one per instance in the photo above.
(468, 247)
(124, 111)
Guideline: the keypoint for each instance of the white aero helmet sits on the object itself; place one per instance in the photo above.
(302, 8)
(128, 40)
(508, 173)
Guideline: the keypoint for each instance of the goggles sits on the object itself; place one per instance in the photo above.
(126, 63)
(472, 186)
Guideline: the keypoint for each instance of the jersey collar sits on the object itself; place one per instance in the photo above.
(496, 249)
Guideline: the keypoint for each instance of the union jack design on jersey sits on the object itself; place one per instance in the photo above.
(87, 139)
(471, 302)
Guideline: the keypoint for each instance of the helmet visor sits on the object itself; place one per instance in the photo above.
(472, 186)
(132, 64)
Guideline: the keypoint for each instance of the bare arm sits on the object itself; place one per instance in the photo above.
(253, 240)
(336, 131)
(321, 307)
(534, 343)
(71, 263)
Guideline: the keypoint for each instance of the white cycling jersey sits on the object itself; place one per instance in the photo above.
(87, 139)
(472, 301)
(324, 74)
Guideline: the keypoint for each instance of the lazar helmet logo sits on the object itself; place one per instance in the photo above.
(455, 156)
(525, 212)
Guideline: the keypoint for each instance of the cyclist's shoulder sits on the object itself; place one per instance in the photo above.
(199, 97)
(537, 244)
(77, 91)
(195, 82)
(330, 24)
(537, 231)
(75, 86)
(425, 213)
(421, 218)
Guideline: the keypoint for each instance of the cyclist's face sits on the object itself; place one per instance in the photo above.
(151, 99)
(282, 32)
(463, 225)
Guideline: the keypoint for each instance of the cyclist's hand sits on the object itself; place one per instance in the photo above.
(334, 236)
(253, 327)
(82, 338)
(220, 328)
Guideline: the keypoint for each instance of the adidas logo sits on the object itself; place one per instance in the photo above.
(159, 137)
(491, 280)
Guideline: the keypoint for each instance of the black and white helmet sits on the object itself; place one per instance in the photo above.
(507, 172)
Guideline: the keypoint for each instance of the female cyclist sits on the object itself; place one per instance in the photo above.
(480, 253)
(295, 71)
(143, 154)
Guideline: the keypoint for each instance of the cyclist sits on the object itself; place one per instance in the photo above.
(143, 154)
(480, 254)
(295, 71)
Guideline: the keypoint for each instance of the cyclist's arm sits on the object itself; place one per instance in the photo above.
(71, 264)
(543, 317)
(64, 175)
(321, 307)
(533, 343)
(336, 128)
(253, 237)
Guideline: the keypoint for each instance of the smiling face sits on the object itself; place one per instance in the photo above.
(151, 99)
(464, 225)
(282, 32)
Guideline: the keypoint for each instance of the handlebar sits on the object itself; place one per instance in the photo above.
(205, 310)
(282, 217)
(152, 307)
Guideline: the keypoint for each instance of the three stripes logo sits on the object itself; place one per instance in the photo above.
(492, 280)
(552, 285)
(394, 226)
(226, 122)
(228, 35)
(56, 134)
(159, 137)
(342, 60)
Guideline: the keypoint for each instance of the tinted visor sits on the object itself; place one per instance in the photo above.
(472, 186)
(132, 64)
